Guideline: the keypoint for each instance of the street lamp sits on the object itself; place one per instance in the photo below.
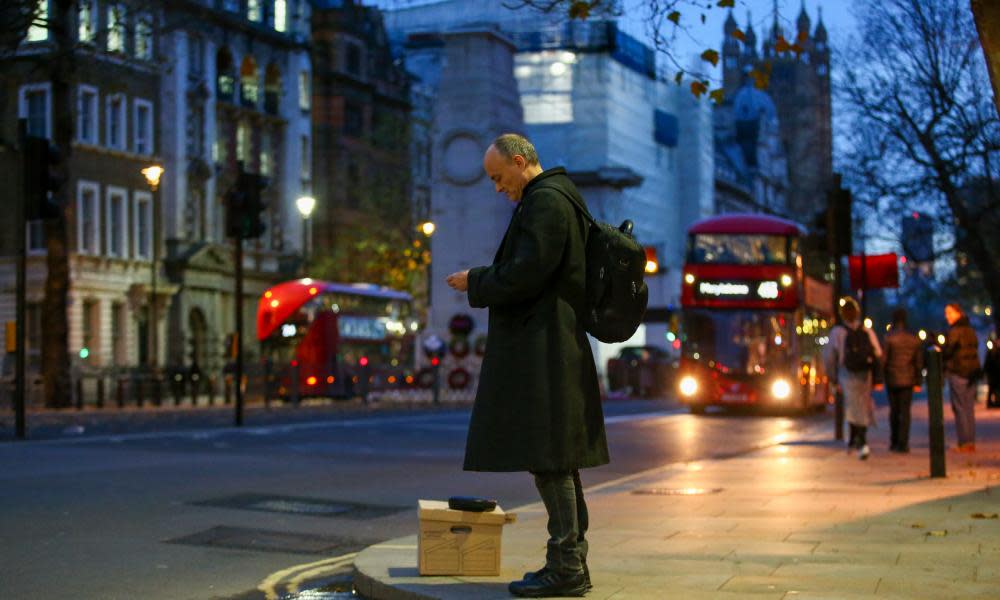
(305, 204)
(428, 228)
(152, 174)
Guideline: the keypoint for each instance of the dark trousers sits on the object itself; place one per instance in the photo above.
(993, 396)
(900, 399)
(963, 404)
(562, 495)
(859, 436)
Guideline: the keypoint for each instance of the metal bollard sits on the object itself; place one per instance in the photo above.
(935, 410)
(137, 390)
(227, 389)
(838, 415)
(100, 391)
(213, 382)
(79, 393)
(195, 388)
(120, 392)
(157, 383)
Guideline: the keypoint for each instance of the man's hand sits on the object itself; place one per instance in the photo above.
(459, 281)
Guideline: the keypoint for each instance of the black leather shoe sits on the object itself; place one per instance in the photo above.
(550, 584)
(544, 570)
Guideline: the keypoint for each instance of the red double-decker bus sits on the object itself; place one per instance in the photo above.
(749, 338)
(325, 339)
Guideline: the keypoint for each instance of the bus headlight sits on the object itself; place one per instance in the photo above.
(780, 389)
(688, 386)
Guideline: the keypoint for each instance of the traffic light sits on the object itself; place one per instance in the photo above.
(42, 163)
(839, 221)
(245, 207)
(256, 206)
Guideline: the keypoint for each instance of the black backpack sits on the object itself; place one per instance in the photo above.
(859, 355)
(616, 292)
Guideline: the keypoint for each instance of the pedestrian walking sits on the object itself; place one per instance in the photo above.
(991, 367)
(904, 364)
(852, 360)
(538, 406)
(961, 369)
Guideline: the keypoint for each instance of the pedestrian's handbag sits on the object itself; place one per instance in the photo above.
(616, 292)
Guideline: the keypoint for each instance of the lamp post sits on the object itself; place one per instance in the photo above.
(305, 204)
(428, 228)
(152, 174)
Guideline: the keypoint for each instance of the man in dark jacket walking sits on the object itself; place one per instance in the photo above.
(904, 363)
(961, 368)
(538, 406)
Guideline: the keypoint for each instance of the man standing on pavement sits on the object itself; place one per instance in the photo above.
(961, 369)
(538, 406)
(904, 363)
(852, 360)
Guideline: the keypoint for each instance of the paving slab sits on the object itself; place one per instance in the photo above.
(800, 520)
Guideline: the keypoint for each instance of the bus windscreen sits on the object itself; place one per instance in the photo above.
(749, 342)
(738, 249)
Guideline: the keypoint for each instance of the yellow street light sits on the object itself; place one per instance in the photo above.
(152, 174)
(305, 204)
(652, 267)
(428, 228)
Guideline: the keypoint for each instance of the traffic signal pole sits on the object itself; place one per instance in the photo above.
(239, 331)
(21, 292)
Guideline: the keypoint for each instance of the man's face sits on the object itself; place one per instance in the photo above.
(508, 176)
(951, 315)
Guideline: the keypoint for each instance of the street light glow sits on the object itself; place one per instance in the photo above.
(152, 174)
(305, 204)
(428, 228)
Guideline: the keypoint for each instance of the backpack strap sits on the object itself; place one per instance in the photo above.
(576, 203)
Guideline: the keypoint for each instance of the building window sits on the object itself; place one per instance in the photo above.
(116, 28)
(143, 228)
(118, 334)
(224, 67)
(90, 325)
(196, 56)
(730, 63)
(39, 31)
(272, 89)
(266, 156)
(86, 114)
(821, 69)
(36, 237)
(231, 5)
(87, 20)
(144, 38)
(196, 129)
(254, 10)
(353, 59)
(34, 105)
(249, 83)
(306, 157)
(87, 230)
(223, 139)
(143, 127)
(117, 218)
(243, 143)
(115, 137)
(353, 120)
(305, 91)
(280, 15)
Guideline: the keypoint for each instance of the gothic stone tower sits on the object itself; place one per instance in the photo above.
(799, 84)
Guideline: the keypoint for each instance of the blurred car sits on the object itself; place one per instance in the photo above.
(646, 371)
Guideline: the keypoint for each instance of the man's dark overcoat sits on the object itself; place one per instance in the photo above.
(538, 406)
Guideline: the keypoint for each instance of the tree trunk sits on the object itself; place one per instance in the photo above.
(55, 328)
